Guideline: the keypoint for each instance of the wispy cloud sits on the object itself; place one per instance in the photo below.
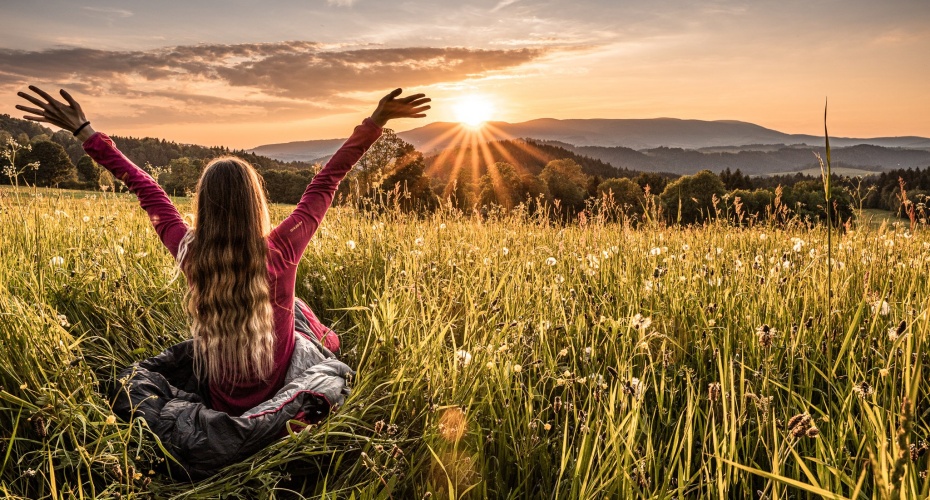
(296, 69)
(108, 12)
(503, 3)
(341, 3)
(248, 82)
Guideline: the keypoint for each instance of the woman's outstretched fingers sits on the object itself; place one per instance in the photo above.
(74, 104)
(51, 100)
(67, 116)
(394, 93)
(412, 98)
(33, 100)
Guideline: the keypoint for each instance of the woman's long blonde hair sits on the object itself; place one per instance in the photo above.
(223, 257)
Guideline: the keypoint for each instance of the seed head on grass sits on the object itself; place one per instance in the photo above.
(713, 391)
(766, 335)
(894, 333)
(863, 390)
(802, 425)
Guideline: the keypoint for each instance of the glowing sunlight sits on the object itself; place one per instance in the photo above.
(473, 110)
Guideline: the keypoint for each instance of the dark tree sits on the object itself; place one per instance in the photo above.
(89, 171)
(689, 199)
(410, 184)
(54, 164)
(625, 194)
(656, 182)
(566, 183)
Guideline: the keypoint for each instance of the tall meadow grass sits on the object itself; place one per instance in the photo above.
(499, 357)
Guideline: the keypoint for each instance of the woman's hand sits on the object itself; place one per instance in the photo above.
(67, 116)
(390, 108)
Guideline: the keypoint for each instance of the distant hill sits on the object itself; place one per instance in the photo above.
(527, 155)
(307, 151)
(636, 134)
(756, 162)
(158, 152)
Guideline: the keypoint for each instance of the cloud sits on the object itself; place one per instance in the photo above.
(503, 3)
(341, 3)
(298, 70)
(109, 13)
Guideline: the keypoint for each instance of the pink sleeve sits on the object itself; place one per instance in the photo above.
(164, 215)
(293, 234)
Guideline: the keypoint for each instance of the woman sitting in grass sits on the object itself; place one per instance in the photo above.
(240, 271)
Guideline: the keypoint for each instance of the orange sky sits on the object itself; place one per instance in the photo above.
(249, 75)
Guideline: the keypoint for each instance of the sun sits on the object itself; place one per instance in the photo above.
(473, 110)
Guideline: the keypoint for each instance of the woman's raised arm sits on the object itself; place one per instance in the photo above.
(294, 233)
(164, 215)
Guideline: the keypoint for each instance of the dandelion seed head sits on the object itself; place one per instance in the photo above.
(881, 307)
(463, 357)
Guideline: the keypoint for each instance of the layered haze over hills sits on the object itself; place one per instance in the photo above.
(659, 145)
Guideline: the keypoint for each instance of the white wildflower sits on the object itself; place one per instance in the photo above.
(57, 261)
(463, 357)
(641, 322)
(881, 307)
(550, 261)
(351, 244)
(634, 387)
(893, 334)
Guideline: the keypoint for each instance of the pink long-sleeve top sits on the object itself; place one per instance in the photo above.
(286, 244)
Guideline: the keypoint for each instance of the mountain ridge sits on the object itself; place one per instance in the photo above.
(633, 133)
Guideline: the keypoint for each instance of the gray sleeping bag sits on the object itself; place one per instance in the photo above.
(164, 391)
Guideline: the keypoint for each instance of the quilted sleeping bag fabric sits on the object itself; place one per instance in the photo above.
(164, 391)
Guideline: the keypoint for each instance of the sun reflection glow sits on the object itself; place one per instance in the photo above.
(473, 110)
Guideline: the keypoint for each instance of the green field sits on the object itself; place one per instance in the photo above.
(508, 357)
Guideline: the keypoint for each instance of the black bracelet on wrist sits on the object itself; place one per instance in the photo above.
(79, 129)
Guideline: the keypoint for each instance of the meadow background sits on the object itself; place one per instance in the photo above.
(501, 356)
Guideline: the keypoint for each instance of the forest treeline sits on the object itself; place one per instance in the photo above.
(501, 175)
(754, 160)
